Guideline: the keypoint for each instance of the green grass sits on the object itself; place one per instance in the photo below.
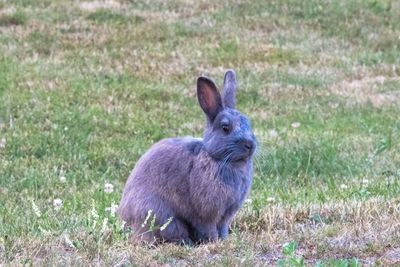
(86, 88)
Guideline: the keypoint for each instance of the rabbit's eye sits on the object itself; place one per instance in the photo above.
(225, 128)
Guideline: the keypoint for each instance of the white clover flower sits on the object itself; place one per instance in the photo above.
(108, 188)
(57, 204)
(343, 186)
(112, 209)
(3, 142)
(296, 124)
(273, 133)
(365, 181)
(63, 179)
(271, 200)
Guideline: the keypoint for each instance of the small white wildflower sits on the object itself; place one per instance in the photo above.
(112, 209)
(334, 105)
(365, 181)
(343, 186)
(296, 124)
(108, 188)
(44, 231)
(57, 204)
(104, 227)
(370, 158)
(271, 200)
(123, 223)
(94, 224)
(68, 242)
(65, 128)
(162, 228)
(147, 218)
(94, 213)
(95, 216)
(3, 142)
(36, 209)
(63, 179)
(248, 200)
(273, 133)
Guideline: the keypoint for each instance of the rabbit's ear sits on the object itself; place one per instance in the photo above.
(230, 86)
(209, 97)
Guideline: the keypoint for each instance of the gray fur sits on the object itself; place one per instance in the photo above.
(200, 183)
(230, 86)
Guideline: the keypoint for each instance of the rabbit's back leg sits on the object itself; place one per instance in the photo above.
(176, 231)
(141, 235)
(204, 232)
(162, 225)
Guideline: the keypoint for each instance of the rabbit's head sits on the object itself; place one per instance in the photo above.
(228, 136)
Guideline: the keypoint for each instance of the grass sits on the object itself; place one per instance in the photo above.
(16, 18)
(87, 87)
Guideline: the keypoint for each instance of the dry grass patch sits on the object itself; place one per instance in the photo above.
(96, 5)
(369, 90)
(364, 230)
(331, 230)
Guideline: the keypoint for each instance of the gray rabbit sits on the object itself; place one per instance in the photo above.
(194, 186)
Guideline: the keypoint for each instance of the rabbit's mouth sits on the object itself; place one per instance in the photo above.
(243, 157)
(240, 161)
(234, 153)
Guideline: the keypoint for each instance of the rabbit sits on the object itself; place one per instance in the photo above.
(193, 187)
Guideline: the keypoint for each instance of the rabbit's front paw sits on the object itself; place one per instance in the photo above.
(223, 231)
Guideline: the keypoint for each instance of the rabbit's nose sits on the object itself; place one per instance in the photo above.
(248, 145)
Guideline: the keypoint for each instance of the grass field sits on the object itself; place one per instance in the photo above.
(87, 87)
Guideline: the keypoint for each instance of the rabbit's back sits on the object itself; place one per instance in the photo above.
(161, 171)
